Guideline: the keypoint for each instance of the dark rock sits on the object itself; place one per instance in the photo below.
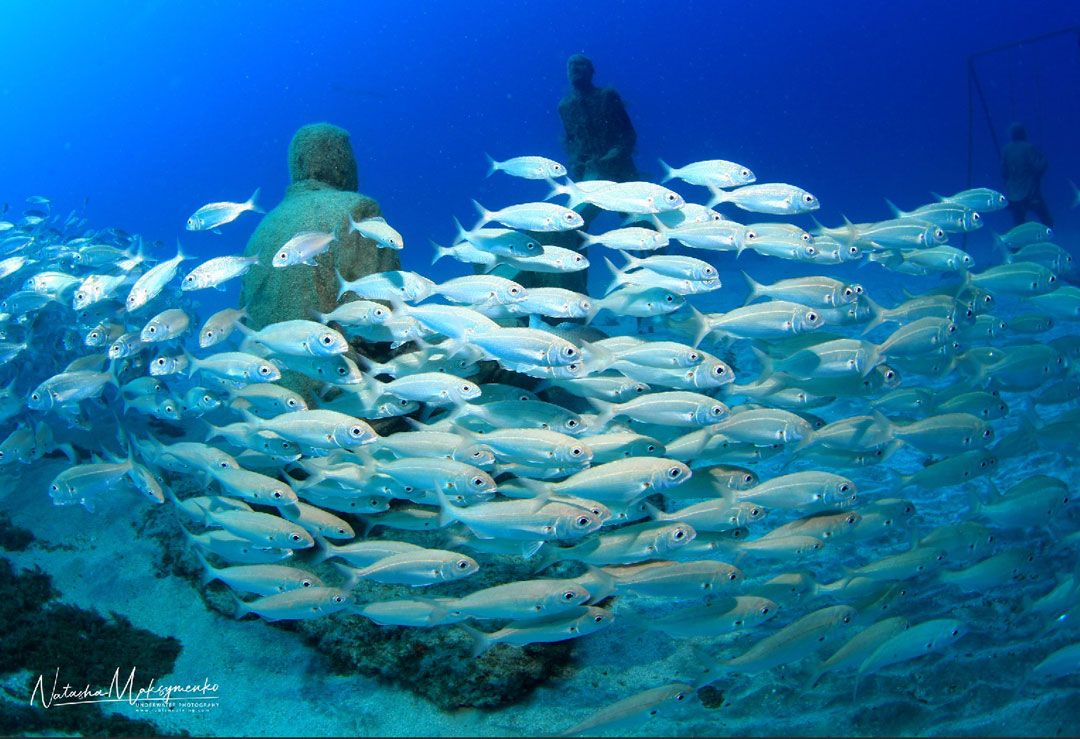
(710, 696)
(41, 635)
(13, 538)
(437, 663)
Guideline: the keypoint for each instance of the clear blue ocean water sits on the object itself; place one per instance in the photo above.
(134, 114)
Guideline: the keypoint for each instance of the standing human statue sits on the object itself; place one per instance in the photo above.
(598, 135)
(599, 140)
(1023, 166)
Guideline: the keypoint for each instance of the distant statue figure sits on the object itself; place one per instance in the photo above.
(1022, 166)
(599, 136)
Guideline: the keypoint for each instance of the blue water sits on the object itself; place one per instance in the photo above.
(150, 110)
(135, 114)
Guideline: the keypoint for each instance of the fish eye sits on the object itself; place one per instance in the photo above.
(572, 423)
(295, 537)
(463, 564)
(577, 451)
(717, 410)
(812, 317)
(342, 370)
(850, 519)
(264, 370)
(151, 329)
(805, 237)
(598, 619)
(847, 619)
(277, 494)
(35, 396)
(976, 217)
(669, 298)
(283, 255)
(674, 472)
(678, 535)
(671, 197)
(327, 339)
(583, 521)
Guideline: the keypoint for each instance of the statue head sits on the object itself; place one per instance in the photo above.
(579, 70)
(1017, 132)
(322, 152)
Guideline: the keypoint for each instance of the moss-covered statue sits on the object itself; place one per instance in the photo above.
(599, 136)
(321, 197)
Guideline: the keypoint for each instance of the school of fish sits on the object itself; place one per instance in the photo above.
(717, 477)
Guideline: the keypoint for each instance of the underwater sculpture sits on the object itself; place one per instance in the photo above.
(321, 198)
(598, 134)
(1023, 167)
(599, 140)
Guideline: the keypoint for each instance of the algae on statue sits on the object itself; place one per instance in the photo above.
(322, 197)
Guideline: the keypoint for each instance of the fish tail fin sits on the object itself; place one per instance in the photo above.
(252, 202)
(667, 171)
(632, 262)
(215, 431)
(595, 306)
(322, 550)
(975, 504)
(556, 189)
(446, 512)
(755, 288)
(718, 196)
(190, 362)
(343, 284)
(1000, 248)
(815, 676)
(767, 362)
(208, 573)
(180, 255)
(876, 311)
(481, 642)
(493, 166)
(484, 213)
(597, 358)
(701, 326)
(440, 251)
(897, 213)
(351, 575)
(461, 234)
(654, 513)
(618, 279)
(241, 608)
(606, 410)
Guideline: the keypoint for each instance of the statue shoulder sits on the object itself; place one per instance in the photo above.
(610, 95)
